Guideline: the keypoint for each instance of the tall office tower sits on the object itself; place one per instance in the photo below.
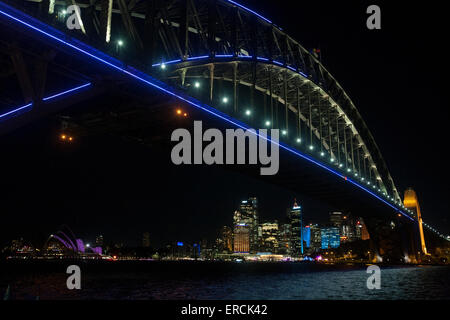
(316, 237)
(330, 237)
(269, 234)
(284, 238)
(146, 240)
(361, 231)
(248, 214)
(336, 219)
(241, 238)
(225, 241)
(307, 236)
(348, 228)
(295, 219)
(99, 241)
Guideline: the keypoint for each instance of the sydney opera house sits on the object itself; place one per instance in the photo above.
(64, 239)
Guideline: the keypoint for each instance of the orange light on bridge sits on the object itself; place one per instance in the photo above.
(65, 137)
(179, 111)
(185, 114)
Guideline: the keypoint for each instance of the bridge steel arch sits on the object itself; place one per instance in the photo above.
(220, 40)
(227, 45)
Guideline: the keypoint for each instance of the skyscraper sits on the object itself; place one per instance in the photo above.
(361, 231)
(336, 219)
(225, 240)
(241, 238)
(248, 214)
(284, 238)
(307, 236)
(348, 232)
(316, 237)
(296, 241)
(269, 234)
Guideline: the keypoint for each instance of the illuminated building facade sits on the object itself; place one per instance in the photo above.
(269, 236)
(316, 237)
(296, 240)
(284, 238)
(330, 237)
(241, 238)
(336, 219)
(361, 230)
(225, 240)
(307, 236)
(248, 214)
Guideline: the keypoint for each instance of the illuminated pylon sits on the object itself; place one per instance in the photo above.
(410, 201)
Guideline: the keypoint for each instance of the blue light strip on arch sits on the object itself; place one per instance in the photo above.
(249, 10)
(80, 47)
(29, 106)
(15, 111)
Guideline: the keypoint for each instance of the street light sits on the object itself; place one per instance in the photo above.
(225, 99)
(267, 123)
(248, 112)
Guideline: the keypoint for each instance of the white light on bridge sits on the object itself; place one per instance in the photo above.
(225, 99)
(248, 112)
(163, 66)
(284, 132)
(267, 123)
(311, 147)
(299, 140)
(197, 84)
(322, 154)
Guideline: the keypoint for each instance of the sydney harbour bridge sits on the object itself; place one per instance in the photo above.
(218, 61)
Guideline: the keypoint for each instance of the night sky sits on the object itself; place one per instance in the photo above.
(395, 76)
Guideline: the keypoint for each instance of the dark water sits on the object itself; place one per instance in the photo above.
(194, 280)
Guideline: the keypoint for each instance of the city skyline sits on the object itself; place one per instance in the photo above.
(289, 233)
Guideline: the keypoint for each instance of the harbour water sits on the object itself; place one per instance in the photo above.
(143, 280)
